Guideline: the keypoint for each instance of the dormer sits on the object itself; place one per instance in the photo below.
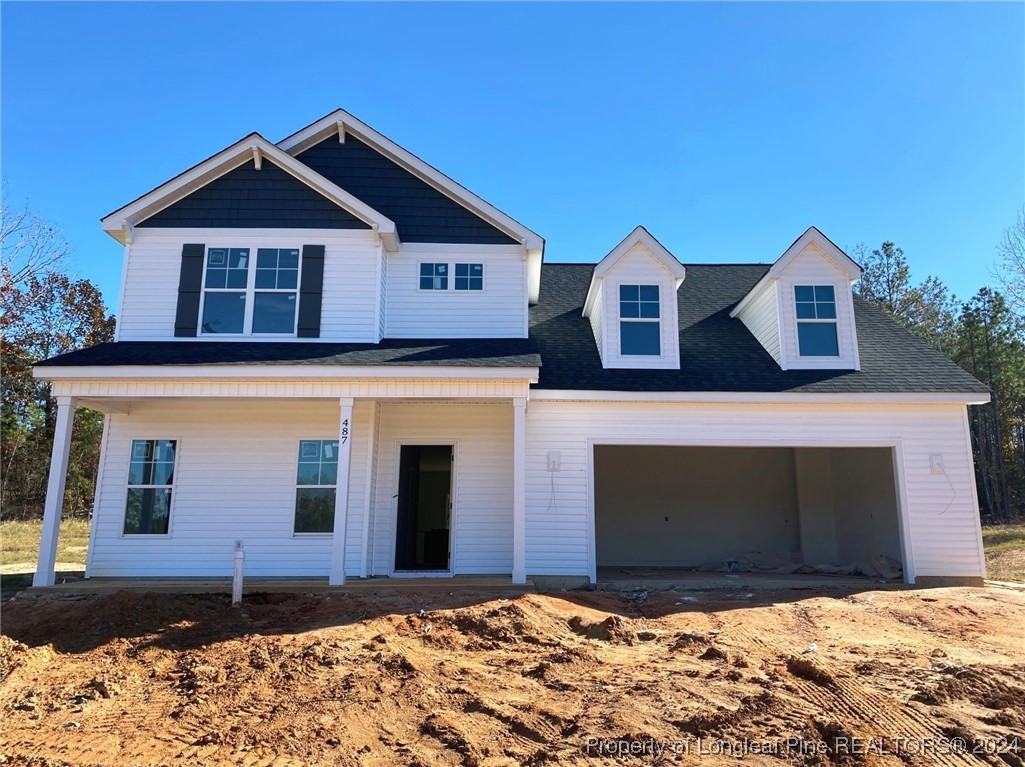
(802, 310)
(631, 304)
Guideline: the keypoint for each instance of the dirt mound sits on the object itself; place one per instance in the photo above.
(469, 679)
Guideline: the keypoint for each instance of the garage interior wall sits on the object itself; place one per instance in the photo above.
(664, 506)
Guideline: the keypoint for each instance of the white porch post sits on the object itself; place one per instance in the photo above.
(55, 492)
(519, 573)
(336, 576)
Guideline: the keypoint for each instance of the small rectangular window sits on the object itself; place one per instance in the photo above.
(150, 485)
(639, 327)
(815, 309)
(316, 479)
(433, 276)
(469, 276)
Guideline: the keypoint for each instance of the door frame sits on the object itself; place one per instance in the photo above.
(896, 447)
(394, 509)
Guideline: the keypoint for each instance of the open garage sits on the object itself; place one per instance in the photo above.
(725, 507)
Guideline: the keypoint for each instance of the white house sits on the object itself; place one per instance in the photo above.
(333, 352)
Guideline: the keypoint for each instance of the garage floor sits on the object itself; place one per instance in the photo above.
(668, 579)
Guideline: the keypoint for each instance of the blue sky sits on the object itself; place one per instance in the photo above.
(726, 129)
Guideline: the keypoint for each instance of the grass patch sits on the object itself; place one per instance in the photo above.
(19, 542)
(1005, 552)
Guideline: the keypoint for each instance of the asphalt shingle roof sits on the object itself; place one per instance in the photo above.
(717, 353)
(460, 352)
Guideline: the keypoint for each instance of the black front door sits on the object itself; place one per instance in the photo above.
(425, 503)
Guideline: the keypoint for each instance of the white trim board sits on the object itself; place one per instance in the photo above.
(845, 398)
(300, 373)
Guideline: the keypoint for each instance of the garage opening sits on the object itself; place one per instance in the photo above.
(776, 509)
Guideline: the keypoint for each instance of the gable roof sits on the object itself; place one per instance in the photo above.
(339, 124)
(812, 235)
(253, 147)
(639, 236)
(719, 354)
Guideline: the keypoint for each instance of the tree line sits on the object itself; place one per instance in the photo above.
(46, 311)
(985, 335)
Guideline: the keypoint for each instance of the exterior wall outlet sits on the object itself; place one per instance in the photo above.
(936, 463)
(554, 460)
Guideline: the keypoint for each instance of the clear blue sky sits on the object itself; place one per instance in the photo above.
(726, 129)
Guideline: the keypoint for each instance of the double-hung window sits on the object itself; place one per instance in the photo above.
(639, 330)
(315, 482)
(815, 307)
(150, 485)
(239, 299)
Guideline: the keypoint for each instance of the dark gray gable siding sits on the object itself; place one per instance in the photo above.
(718, 353)
(251, 198)
(421, 212)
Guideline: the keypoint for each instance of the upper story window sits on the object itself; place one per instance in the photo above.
(639, 331)
(469, 276)
(815, 307)
(433, 276)
(239, 299)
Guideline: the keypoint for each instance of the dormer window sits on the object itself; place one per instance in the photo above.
(815, 308)
(639, 330)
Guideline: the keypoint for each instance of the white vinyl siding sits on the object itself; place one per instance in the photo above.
(640, 267)
(761, 317)
(598, 322)
(497, 311)
(482, 480)
(235, 479)
(942, 510)
(350, 300)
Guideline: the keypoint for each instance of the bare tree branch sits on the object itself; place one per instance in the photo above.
(30, 247)
(1010, 272)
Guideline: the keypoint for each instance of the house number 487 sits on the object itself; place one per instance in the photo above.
(345, 431)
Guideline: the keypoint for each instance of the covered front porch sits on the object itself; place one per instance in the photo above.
(320, 481)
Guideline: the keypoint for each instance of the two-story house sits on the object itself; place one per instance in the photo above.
(332, 352)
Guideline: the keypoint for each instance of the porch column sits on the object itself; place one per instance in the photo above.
(519, 573)
(55, 492)
(336, 576)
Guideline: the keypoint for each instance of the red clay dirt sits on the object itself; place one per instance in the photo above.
(888, 677)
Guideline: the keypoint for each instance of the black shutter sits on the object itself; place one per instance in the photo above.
(310, 291)
(190, 283)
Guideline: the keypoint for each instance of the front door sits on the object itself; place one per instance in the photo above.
(424, 522)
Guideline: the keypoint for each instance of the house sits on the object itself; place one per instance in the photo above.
(334, 353)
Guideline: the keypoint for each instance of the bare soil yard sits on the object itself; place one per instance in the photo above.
(476, 679)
